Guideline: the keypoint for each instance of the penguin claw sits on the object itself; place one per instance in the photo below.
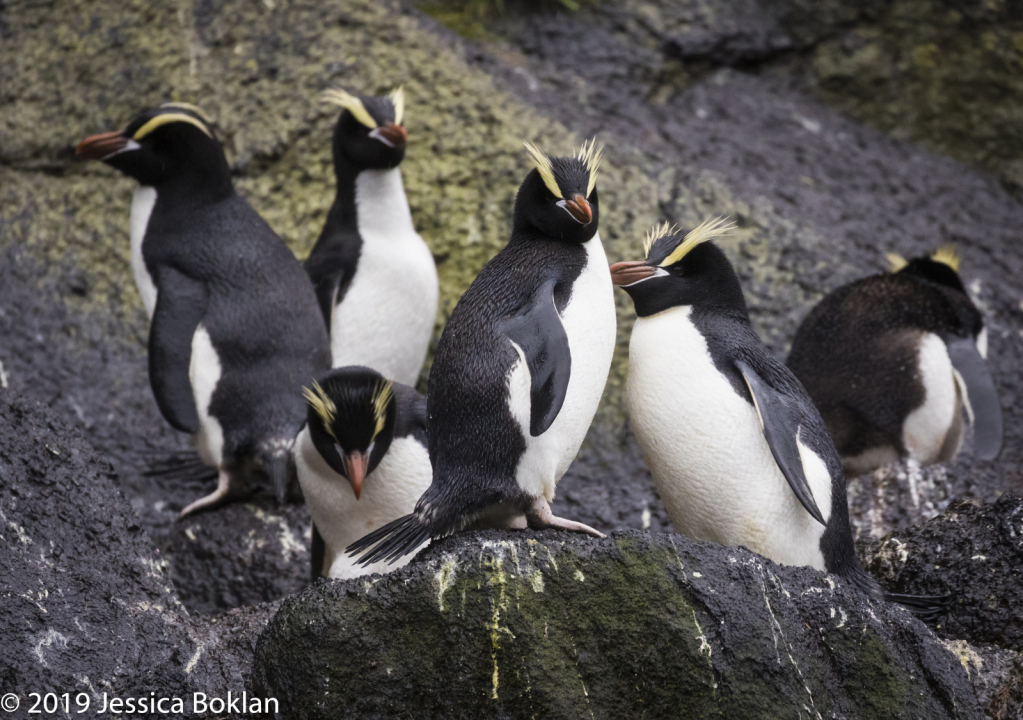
(214, 499)
(540, 517)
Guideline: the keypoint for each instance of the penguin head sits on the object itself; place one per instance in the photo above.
(558, 198)
(351, 421)
(172, 142)
(941, 267)
(369, 132)
(681, 269)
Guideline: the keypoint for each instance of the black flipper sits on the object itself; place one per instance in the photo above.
(781, 427)
(180, 306)
(985, 408)
(331, 266)
(538, 331)
(317, 553)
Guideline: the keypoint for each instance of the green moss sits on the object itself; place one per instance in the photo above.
(641, 627)
(258, 69)
(949, 80)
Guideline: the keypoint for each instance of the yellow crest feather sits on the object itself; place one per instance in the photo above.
(191, 108)
(398, 100)
(321, 403)
(382, 398)
(895, 262)
(590, 155)
(707, 230)
(349, 102)
(656, 233)
(167, 118)
(947, 255)
(544, 167)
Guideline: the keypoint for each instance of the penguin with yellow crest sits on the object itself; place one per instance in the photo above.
(375, 278)
(894, 361)
(738, 452)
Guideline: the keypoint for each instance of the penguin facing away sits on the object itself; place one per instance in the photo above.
(234, 328)
(375, 278)
(362, 462)
(738, 452)
(892, 360)
(520, 368)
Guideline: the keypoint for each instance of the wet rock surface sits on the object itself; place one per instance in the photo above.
(88, 605)
(542, 624)
(973, 549)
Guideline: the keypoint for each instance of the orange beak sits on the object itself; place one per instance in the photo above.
(630, 271)
(580, 209)
(356, 465)
(395, 135)
(97, 147)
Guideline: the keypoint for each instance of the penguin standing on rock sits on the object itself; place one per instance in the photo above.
(375, 278)
(737, 449)
(234, 329)
(519, 370)
(892, 361)
(362, 462)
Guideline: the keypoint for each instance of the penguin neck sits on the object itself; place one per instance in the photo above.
(204, 179)
(370, 201)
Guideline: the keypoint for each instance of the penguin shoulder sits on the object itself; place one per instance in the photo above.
(410, 417)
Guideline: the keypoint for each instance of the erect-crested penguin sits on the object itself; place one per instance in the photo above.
(893, 359)
(520, 368)
(375, 278)
(362, 462)
(737, 449)
(234, 329)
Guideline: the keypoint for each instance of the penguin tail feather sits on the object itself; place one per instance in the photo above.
(390, 542)
(178, 466)
(926, 607)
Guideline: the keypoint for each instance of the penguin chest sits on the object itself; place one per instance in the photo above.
(589, 321)
(932, 432)
(389, 492)
(386, 317)
(706, 450)
(142, 205)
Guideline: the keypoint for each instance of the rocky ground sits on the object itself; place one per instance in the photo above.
(703, 113)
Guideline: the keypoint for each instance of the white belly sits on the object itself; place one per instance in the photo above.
(707, 453)
(141, 209)
(389, 492)
(926, 428)
(387, 316)
(204, 373)
(589, 321)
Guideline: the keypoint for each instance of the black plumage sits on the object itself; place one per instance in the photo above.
(217, 266)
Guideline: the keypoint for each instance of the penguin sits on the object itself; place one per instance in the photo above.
(893, 360)
(738, 452)
(234, 326)
(362, 462)
(375, 278)
(519, 369)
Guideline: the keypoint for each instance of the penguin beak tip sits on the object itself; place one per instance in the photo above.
(579, 208)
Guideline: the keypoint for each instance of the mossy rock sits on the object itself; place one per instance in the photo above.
(522, 625)
(944, 73)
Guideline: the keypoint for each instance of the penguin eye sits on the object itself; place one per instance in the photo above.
(677, 270)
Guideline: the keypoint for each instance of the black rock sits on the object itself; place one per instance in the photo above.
(522, 625)
(973, 549)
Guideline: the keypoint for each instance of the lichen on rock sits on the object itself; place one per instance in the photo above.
(637, 624)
